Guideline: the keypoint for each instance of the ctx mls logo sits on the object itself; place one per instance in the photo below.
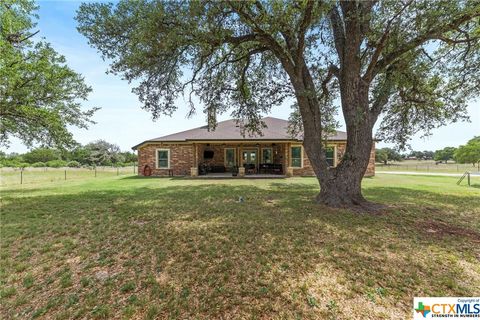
(454, 308)
(423, 309)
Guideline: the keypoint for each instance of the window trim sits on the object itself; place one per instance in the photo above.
(234, 155)
(271, 150)
(334, 146)
(301, 155)
(156, 158)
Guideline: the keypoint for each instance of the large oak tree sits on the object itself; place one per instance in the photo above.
(411, 63)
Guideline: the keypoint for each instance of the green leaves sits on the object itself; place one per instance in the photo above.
(39, 94)
(469, 153)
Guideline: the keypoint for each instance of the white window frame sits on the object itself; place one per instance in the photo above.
(271, 149)
(301, 155)
(156, 158)
(225, 156)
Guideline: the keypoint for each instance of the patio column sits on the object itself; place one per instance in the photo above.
(240, 159)
(194, 169)
(286, 162)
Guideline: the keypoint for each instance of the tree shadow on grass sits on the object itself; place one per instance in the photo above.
(197, 251)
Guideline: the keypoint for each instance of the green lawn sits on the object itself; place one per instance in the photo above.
(426, 166)
(176, 248)
(17, 176)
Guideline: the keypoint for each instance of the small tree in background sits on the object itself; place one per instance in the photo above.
(129, 157)
(445, 154)
(42, 155)
(80, 154)
(104, 153)
(384, 155)
(428, 155)
(469, 153)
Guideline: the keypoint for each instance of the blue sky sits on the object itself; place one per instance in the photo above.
(121, 119)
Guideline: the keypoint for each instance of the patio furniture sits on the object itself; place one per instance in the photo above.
(273, 168)
(249, 168)
(204, 169)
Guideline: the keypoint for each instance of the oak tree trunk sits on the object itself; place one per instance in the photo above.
(341, 186)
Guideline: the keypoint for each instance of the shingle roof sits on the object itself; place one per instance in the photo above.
(277, 129)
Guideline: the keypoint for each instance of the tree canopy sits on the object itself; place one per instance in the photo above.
(445, 154)
(469, 153)
(39, 94)
(239, 53)
(96, 153)
(42, 155)
(384, 155)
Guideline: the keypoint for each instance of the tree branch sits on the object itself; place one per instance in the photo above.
(304, 24)
(368, 76)
(338, 32)
(332, 71)
(429, 35)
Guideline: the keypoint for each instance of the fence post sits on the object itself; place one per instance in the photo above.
(117, 171)
(133, 167)
(21, 176)
(468, 177)
(95, 172)
(65, 174)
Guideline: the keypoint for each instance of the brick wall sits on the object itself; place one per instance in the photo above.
(181, 159)
(307, 169)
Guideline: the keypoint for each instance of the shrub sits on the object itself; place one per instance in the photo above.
(11, 163)
(56, 163)
(39, 164)
(74, 164)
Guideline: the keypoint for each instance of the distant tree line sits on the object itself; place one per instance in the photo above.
(96, 153)
(469, 153)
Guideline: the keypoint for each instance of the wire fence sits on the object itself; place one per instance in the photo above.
(427, 167)
(18, 176)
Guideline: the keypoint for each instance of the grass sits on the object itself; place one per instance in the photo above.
(29, 176)
(147, 248)
(426, 166)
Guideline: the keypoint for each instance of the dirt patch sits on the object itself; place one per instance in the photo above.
(444, 229)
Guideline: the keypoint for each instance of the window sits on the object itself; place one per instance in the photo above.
(296, 157)
(267, 155)
(229, 157)
(163, 158)
(330, 154)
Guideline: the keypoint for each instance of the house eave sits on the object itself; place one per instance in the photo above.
(221, 141)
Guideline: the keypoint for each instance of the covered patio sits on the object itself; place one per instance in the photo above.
(228, 175)
(227, 159)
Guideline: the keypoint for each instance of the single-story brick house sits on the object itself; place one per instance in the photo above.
(201, 151)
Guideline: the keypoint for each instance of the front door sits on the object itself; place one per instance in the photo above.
(249, 157)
